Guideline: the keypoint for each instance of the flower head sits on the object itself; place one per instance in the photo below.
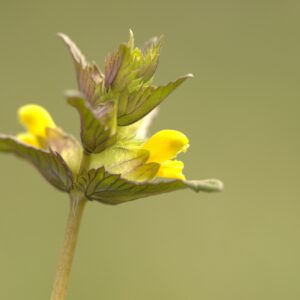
(115, 161)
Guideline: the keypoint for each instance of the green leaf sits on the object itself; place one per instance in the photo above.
(50, 164)
(89, 77)
(109, 188)
(134, 106)
(98, 124)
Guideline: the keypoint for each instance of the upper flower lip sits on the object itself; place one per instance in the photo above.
(166, 144)
(115, 162)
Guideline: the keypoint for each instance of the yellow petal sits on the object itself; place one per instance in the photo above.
(36, 119)
(165, 145)
(29, 139)
(171, 169)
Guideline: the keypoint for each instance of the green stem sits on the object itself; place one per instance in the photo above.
(85, 162)
(61, 280)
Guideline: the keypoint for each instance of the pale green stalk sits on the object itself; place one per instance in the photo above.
(77, 205)
(68, 249)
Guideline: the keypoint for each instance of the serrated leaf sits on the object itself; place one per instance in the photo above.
(150, 57)
(134, 106)
(98, 124)
(130, 67)
(109, 188)
(89, 77)
(50, 164)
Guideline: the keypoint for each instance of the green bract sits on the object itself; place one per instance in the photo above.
(50, 164)
(110, 165)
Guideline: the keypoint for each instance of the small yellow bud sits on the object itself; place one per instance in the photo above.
(35, 119)
(165, 145)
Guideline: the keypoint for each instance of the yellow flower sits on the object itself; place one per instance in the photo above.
(36, 120)
(164, 146)
(171, 169)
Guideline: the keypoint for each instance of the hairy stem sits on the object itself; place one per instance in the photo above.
(61, 280)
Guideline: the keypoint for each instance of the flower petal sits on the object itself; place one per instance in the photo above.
(28, 139)
(171, 169)
(165, 145)
(35, 119)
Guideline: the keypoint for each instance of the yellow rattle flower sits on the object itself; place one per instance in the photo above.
(164, 146)
(114, 163)
(36, 120)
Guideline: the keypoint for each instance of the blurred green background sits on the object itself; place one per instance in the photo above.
(241, 113)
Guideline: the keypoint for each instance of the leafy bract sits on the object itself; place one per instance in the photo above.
(89, 77)
(128, 76)
(127, 79)
(50, 164)
(98, 124)
(131, 66)
(109, 188)
(131, 162)
(135, 105)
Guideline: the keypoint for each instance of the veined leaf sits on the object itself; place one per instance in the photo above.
(118, 159)
(50, 164)
(98, 124)
(109, 188)
(89, 77)
(112, 66)
(130, 162)
(134, 106)
(120, 64)
(144, 172)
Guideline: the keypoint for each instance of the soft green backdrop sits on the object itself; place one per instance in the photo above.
(241, 113)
